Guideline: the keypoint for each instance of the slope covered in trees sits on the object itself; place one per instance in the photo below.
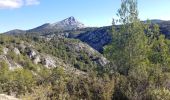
(134, 66)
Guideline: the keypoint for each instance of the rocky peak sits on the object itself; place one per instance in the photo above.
(70, 21)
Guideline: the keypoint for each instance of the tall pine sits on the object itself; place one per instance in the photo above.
(128, 48)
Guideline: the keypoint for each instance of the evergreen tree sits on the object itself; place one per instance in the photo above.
(128, 47)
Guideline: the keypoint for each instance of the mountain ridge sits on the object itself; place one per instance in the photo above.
(95, 37)
(70, 23)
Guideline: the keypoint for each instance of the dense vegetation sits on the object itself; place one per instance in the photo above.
(138, 69)
(141, 55)
(34, 81)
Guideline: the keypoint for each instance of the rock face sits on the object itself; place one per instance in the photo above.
(97, 38)
(37, 59)
(6, 97)
(49, 62)
(32, 54)
(103, 61)
(165, 28)
(16, 51)
(44, 59)
(12, 65)
(93, 54)
(5, 51)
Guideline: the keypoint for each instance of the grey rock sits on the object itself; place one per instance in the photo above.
(49, 62)
(93, 54)
(16, 51)
(103, 61)
(11, 64)
(32, 54)
(37, 59)
(7, 97)
(97, 38)
(5, 51)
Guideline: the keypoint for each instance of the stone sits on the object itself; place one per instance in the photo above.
(103, 61)
(49, 62)
(7, 97)
(32, 54)
(5, 50)
(16, 51)
(37, 59)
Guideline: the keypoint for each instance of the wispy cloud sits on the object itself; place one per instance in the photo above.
(11, 4)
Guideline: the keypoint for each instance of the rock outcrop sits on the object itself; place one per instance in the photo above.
(6, 97)
(48, 62)
(32, 54)
(5, 50)
(97, 38)
(93, 54)
(16, 51)
(37, 59)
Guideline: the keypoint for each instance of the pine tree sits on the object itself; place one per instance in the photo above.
(128, 47)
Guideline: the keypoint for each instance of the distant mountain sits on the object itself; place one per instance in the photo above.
(69, 23)
(16, 31)
(155, 21)
(165, 28)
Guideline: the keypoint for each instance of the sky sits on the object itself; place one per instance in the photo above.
(27, 14)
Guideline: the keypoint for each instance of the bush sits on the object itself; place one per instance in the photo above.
(159, 94)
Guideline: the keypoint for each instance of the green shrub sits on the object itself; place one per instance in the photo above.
(159, 94)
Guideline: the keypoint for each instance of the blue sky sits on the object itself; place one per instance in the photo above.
(27, 14)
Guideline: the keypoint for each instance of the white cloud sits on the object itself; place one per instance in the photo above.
(11, 4)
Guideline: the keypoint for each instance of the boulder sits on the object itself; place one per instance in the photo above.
(16, 51)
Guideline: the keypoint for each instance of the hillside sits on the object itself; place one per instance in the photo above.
(37, 62)
(67, 60)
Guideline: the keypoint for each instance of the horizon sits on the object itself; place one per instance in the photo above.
(77, 20)
(29, 14)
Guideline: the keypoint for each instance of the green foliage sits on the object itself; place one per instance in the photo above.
(59, 47)
(1, 49)
(141, 55)
(17, 81)
(159, 94)
(5, 39)
(129, 44)
(23, 79)
(139, 65)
